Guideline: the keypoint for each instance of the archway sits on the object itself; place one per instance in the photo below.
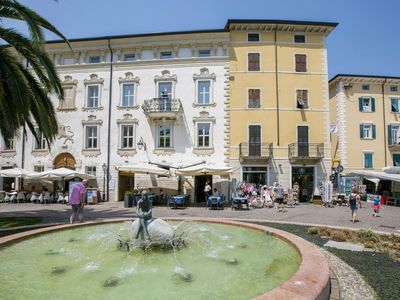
(64, 160)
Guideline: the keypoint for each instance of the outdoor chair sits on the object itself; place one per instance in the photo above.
(21, 197)
(46, 197)
(7, 197)
(2, 196)
(34, 197)
(13, 197)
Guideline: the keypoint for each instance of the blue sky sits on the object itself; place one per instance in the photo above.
(367, 40)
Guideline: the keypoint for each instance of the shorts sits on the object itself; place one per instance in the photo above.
(376, 208)
(279, 200)
(353, 208)
(77, 208)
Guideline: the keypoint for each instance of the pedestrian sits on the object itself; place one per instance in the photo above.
(376, 206)
(354, 200)
(279, 194)
(77, 201)
(207, 190)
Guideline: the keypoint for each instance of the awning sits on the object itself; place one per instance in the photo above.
(204, 169)
(60, 173)
(374, 174)
(16, 172)
(143, 168)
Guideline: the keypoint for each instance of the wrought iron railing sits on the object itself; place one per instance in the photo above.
(255, 150)
(162, 105)
(306, 150)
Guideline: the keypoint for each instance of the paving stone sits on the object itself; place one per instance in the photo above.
(345, 246)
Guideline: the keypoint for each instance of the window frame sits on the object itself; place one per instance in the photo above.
(88, 86)
(370, 131)
(259, 37)
(365, 160)
(38, 168)
(395, 128)
(200, 50)
(393, 88)
(133, 55)
(365, 87)
(391, 106)
(93, 56)
(210, 135)
(370, 104)
(158, 95)
(43, 143)
(123, 84)
(307, 107)
(122, 137)
(248, 61)
(210, 94)
(86, 138)
(166, 57)
(8, 149)
(158, 127)
(248, 97)
(299, 34)
(89, 170)
(295, 62)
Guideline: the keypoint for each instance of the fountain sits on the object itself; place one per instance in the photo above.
(219, 259)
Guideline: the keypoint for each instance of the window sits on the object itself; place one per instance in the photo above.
(366, 104)
(91, 138)
(203, 91)
(394, 104)
(367, 131)
(368, 160)
(91, 170)
(39, 144)
(69, 98)
(129, 57)
(69, 60)
(38, 169)
(165, 90)
(127, 137)
(365, 87)
(302, 99)
(301, 62)
(10, 147)
(93, 96)
(253, 37)
(204, 53)
(164, 136)
(128, 94)
(257, 175)
(396, 159)
(393, 88)
(94, 59)
(165, 54)
(254, 61)
(254, 98)
(299, 38)
(203, 135)
(394, 134)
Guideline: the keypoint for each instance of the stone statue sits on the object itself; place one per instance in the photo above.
(64, 132)
(144, 212)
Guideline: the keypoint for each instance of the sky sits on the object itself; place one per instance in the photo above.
(366, 41)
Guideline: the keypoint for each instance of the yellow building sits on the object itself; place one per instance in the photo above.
(279, 103)
(365, 114)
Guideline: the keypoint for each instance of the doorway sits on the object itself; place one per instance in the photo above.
(304, 178)
(302, 141)
(64, 160)
(199, 184)
(126, 182)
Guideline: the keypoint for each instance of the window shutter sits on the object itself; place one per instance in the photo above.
(254, 62)
(390, 142)
(373, 132)
(373, 104)
(361, 131)
(360, 103)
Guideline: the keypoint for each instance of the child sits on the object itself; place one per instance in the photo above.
(377, 202)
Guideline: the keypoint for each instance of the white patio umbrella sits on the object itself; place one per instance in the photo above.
(16, 172)
(204, 169)
(60, 173)
(143, 168)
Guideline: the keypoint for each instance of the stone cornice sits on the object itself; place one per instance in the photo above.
(165, 76)
(94, 79)
(129, 78)
(128, 120)
(204, 74)
(92, 121)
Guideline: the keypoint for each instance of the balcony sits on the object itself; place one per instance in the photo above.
(306, 152)
(162, 108)
(393, 146)
(255, 152)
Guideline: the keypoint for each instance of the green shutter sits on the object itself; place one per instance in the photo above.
(373, 132)
(360, 104)
(368, 160)
(361, 131)
(373, 104)
(390, 142)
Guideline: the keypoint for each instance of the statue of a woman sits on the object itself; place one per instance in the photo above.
(144, 212)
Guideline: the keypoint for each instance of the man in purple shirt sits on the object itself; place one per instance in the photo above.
(77, 200)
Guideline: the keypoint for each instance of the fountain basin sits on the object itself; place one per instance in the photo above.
(310, 281)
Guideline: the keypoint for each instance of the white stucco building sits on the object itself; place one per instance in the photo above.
(159, 98)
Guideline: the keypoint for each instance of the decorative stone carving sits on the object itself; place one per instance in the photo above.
(69, 86)
(92, 121)
(126, 152)
(94, 79)
(165, 76)
(91, 153)
(40, 152)
(203, 151)
(129, 78)
(127, 119)
(64, 132)
(8, 153)
(204, 74)
(204, 117)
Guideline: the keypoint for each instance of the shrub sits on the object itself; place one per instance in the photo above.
(367, 235)
(313, 230)
(339, 236)
(369, 244)
(325, 231)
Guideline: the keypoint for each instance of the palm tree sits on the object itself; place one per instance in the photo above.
(25, 92)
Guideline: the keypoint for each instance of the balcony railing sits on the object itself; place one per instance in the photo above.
(162, 106)
(306, 151)
(255, 151)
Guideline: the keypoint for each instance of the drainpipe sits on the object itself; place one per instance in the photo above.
(109, 122)
(385, 141)
(277, 84)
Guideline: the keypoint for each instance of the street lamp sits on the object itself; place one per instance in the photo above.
(141, 144)
(104, 166)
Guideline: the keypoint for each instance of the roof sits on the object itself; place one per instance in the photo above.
(363, 76)
(287, 22)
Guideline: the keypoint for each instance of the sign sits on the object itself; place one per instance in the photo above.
(92, 196)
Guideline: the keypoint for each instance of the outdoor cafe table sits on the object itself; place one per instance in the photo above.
(214, 200)
(238, 202)
(177, 200)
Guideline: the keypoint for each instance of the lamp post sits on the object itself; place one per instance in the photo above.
(104, 166)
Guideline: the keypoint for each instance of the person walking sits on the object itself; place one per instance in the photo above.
(376, 206)
(279, 194)
(77, 201)
(354, 200)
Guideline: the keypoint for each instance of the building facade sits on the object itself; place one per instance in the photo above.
(279, 104)
(157, 98)
(365, 121)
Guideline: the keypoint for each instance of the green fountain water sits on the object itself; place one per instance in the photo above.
(218, 262)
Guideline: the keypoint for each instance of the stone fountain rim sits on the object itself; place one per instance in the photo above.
(311, 280)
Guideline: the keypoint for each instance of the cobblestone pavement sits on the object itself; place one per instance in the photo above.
(389, 220)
